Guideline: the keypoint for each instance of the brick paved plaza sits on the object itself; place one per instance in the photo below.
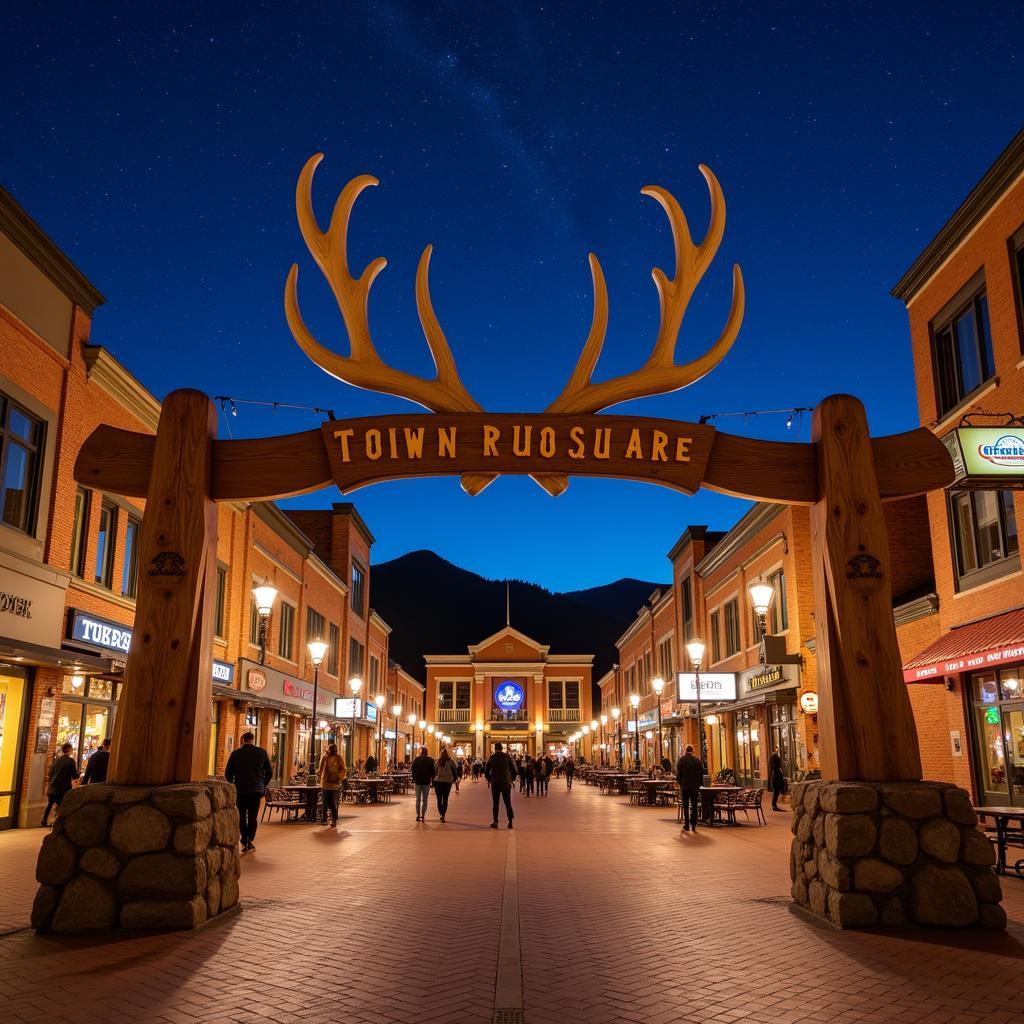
(591, 911)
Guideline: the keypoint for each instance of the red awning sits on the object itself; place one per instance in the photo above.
(979, 645)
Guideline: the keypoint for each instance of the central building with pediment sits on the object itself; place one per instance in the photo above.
(511, 689)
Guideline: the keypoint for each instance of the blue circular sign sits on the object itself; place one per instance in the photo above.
(509, 696)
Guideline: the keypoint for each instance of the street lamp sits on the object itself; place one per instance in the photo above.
(649, 736)
(423, 733)
(411, 722)
(378, 699)
(695, 649)
(634, 699)
(616, 718)
(658, 684)
(317, 650)
(761, 595)
(264, 595)
(604, 749)
(396, 710)
(355, 685)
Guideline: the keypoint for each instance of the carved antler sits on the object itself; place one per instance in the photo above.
(364, 368)
(659, 374)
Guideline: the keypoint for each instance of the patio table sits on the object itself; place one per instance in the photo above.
(1003, 816)
(311, 793)
(707, 800)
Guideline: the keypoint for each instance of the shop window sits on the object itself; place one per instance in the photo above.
(334, 639)
(218, 612)
(732, 628)
(357, 594)
(716, 638)
(80, 532)
(779, 610)
(962, 352)
(356, 659)
(130, 571)
(985, 535)
(316, 625)
(105, 543)
(286, 632)
(21, 437)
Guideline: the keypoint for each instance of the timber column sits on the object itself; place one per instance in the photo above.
(873, 844)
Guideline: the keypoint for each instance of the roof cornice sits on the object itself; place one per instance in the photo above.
(346, 508)
(104, 370)
(279, 522)
(37, 245)
(1008, 167)
(689, 535)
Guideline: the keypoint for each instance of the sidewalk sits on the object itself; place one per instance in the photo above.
(621, 917)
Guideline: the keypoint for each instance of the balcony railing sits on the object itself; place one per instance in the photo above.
(453, 714)
(563, 714)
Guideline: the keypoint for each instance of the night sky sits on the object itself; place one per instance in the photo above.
(159, 147)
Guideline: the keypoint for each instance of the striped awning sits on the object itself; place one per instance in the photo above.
(984, 644)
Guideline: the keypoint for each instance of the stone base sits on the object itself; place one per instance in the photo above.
(891, 854)
(139, 857)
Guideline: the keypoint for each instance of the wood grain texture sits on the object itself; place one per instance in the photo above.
(162, 730)
(865, 723)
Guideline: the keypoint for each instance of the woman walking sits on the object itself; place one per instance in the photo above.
(331, 776)
(444, 777)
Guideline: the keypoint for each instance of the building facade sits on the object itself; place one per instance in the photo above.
(511, 688)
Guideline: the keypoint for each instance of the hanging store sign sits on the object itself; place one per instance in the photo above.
(509, 696)
(809, 702)
(713, 686)
(983, 456)
(648, 720)
(223, 672)
(764, 678)
(349, 707)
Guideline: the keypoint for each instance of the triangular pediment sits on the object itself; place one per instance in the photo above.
(509, 644)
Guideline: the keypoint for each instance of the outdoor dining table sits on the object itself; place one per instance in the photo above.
(311, 793)
(371, 784)
(707, 800)
(615, 782)
(651, 787)
(1003, 816)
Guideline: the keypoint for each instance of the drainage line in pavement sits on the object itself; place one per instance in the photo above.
(508, 981)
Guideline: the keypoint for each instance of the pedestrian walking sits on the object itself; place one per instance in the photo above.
(96, 766)
(63, 772)
(690, 776)
(371, 765)
(530, 773)
(776, 778)
(539, 778)
(569, 768)
(423, 771)
(460, 768)
(444, 779)
(250, 770)
(501, 772)
(331, 776)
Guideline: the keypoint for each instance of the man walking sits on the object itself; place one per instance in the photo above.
(500, 771)
(96, 766)
(423, 772)
(250, 770)
(776, 777)
(62, 774)
(690, 776)
(570, 769)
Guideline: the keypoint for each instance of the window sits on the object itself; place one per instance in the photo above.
(665, 657)
(462, 698)
(732, 627)
(572, 695)
(356, 655)
(21, 436)
(985, 534)
(130, 571)
(1017, 250)
(716, 639)
(105, 545)
(445, 696)
(374, 674)
(554, 695)
(286, 633)
(254, 624)
(779, 610)
(334, 639)
(962, 352)
(686, 589)
(80, 532)
(357, 595)
(218, 612)
(316, 625)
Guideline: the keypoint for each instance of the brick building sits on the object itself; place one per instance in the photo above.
(965, 665)
(68, 558)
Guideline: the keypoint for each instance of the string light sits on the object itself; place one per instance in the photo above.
(790, 414)
(234, 403)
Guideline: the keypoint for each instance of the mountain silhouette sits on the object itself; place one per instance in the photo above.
(435, 607)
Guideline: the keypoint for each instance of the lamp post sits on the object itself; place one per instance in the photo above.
(411, 722)
(617, 719)
(584, 732)
(430, 731)
(423, 733)
(695, 648)
(634, 699)
(658, 684)
(649, 736)
(396, 710)
(761, 595)
(355, 685)
(317, 650)
(379, 699)
(265, 595)
(604, 751)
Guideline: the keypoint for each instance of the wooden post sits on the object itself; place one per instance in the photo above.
(865, 722)
(162, 733)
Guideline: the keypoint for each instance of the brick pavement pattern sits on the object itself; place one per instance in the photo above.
(621, 917)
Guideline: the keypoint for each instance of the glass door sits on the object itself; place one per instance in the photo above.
(12, 706)
(1013, 738)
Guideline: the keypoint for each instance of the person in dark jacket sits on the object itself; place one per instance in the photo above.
(423, 772)
(570, 770)
(690, 776)
(501, 772)
(63, 772)
(96, 766)
(776, 777)
(250, 770)
(371, 765)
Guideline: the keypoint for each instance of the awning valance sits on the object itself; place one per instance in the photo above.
(978, 645)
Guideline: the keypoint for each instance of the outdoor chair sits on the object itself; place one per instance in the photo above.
(280, 800)
(725, 807)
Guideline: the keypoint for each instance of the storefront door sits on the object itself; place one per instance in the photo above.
(12, 708)
(1013, 737)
